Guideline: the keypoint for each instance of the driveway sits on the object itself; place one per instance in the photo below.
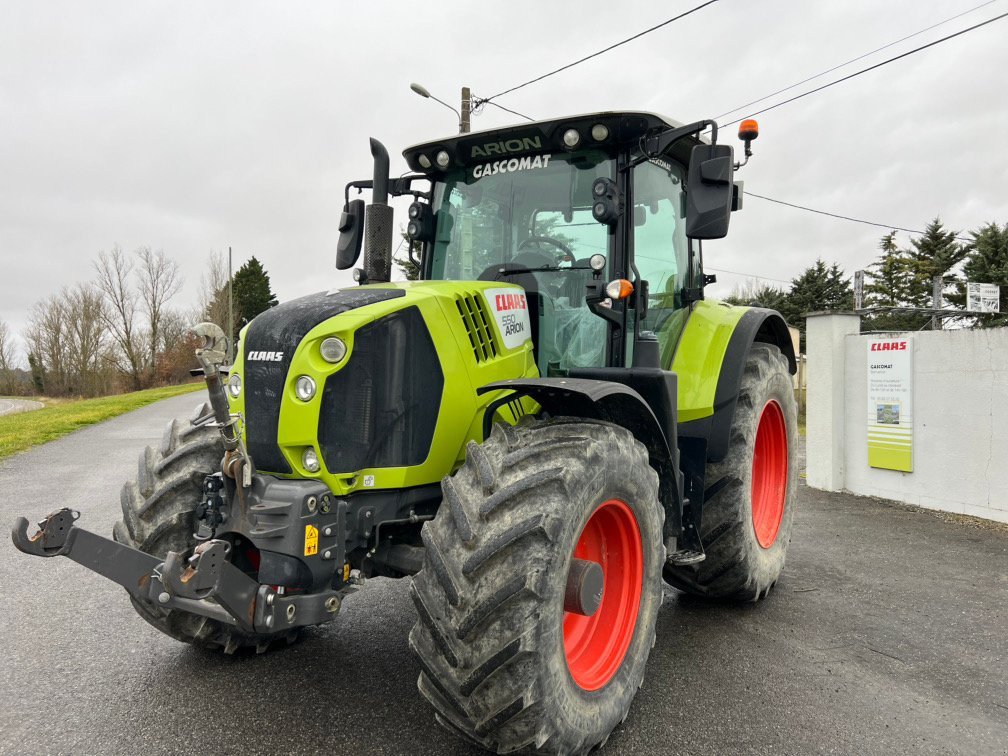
(887, 634)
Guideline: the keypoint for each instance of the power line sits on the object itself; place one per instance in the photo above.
(600, 52)
(479, 102)
(854, 60)
(866, 70)
(844, 217)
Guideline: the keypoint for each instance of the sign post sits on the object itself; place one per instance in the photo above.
(890, 403)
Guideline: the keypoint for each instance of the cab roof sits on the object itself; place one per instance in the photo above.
(620, 128)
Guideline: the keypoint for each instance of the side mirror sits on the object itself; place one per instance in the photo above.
(351, 234)
(709, 191)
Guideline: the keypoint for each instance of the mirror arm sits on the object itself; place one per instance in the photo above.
(656, 145)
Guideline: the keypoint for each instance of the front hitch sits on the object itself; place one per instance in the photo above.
(204, 583)
(53, 537)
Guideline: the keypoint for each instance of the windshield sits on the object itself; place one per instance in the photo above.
(533, 211)
(528, 221)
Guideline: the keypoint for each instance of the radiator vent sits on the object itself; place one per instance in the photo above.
(474, 314)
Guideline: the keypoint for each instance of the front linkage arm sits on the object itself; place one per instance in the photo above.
(206, 583)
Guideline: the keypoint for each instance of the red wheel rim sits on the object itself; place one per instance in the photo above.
(595, 646)
(769, 474)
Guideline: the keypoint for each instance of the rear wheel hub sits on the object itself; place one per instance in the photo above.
(769, 474)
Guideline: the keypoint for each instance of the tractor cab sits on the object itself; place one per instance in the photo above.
(557, 205)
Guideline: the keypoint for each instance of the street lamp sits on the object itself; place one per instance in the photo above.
(422, 91)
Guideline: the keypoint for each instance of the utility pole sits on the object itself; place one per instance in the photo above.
(230, 333)
(466, 109)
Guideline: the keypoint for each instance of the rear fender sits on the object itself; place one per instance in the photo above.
(756, 324)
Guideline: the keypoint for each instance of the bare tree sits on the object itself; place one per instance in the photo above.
(114, 270)
(159, 279)
(46, 337)
(213, 290)
(67, 337)
(7, 360)
(85, 339)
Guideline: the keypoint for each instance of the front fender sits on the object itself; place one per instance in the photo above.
(614, 403)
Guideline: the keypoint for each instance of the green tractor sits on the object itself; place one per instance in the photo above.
(538, 432)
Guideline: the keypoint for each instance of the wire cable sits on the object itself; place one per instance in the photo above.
(854, 60)
(600, 52)
(480, 102)
(844, 217)
(866, 70)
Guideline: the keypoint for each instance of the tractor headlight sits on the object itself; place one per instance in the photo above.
(424, 161)
(234, 385)
(333, 349)
(442, 159)
(597, 262)
(304, 388)
(310, 460)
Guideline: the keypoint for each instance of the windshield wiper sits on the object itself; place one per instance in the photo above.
(547, 269)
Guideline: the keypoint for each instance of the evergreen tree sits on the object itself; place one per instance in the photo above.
(252, 292)
(934, 254)
(888, 284)
(409, 269)
(757, 295)
(986, 262)
(819, 288)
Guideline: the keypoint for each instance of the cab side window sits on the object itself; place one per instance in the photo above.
(660, 246)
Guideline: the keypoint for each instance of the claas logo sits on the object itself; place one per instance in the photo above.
(264, 356)
(505, 302)
(889, 346)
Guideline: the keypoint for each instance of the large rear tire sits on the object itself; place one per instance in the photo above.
(158, 517)
(750, 496)
(502, 662)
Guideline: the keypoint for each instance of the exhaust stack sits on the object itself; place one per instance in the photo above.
(378, 220)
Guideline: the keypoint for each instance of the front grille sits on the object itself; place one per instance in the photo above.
(279, 331)
(381, 408)
(477, 324)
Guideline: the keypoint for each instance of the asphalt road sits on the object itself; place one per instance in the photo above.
(888, 633)
(10, 406)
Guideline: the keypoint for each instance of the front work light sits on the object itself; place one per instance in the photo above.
(600, 132)
(421, 222)
(333, 349)
(597, 262)
(424, 161)
(606, 201)
(310, 460)
(442, 159)
(571, 138)
(234, 385)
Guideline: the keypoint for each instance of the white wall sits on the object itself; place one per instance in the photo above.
(960, 447)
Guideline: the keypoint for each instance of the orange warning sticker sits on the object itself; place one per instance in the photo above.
(310, 540)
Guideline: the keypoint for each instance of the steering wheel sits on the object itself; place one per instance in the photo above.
(568, 253)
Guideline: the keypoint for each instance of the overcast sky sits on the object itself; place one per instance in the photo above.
(194, 126)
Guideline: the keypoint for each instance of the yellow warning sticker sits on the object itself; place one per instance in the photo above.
(310, 540)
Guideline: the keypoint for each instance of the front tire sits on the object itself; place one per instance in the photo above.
(751, 494)
(158, 517)
(502, 662)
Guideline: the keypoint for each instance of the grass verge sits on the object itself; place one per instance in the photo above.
(27, 429)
